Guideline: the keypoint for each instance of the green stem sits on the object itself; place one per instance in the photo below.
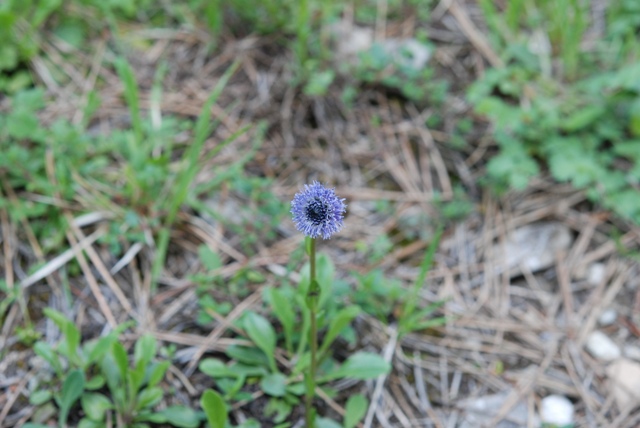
(312, 300)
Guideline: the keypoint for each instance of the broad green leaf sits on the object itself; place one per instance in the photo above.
(145, 349)
(40, 397)
(244, 370)
(120, 357)
(274, 384)
(355, 410)
(296, 388)
(95, 406)
(72, 336)
(97, 349)
(214, 408)
(583, 117)
(158, 372)
(325, 276)
(95, 382)
(306, 324)
(135, 377)
(326, 423)
(247, 355)
(215, 368)
(278, 410)
(283, 309)
(338, 323)
(251, 423)
(88, 423)
(58, 318)
(209, 258)
(149, 397)
(44, 350)
(182, 417)
(72, 389)
(362, 365)
(263, 335)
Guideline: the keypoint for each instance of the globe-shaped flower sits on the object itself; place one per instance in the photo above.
(317, 211)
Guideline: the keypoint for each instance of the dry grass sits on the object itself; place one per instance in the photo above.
(516, 332)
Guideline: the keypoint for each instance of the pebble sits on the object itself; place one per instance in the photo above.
(351, 39)
(480, 411)
(534, 246)
(607, 317)
(632, 352)
(595, 274)
(556, 410)
(601, 346)
(624, 382)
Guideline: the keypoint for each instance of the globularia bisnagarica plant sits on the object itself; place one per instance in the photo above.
(317, 212)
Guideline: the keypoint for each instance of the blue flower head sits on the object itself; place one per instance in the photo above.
(317, 211)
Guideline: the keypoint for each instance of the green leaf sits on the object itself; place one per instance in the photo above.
(40, 397)
(338, 323)
(95, 406)
(361, 365)
(571, 161)
(278, 410)
(325, 275)
(274, 384)
(182, 417)
(96, 350)
(634, 118)
(44, 350)
(319, 82)
(355, 410)
(209, 258)
(582, 118)
(214, 408)
(95, 382)
(326, 423)
(283, 309)
(72, 389)
(72, 335)
(247, 355)
(120, 357)
(263, 335)
(158, 372)
(243, 370)
(296, 388)
(57, 317)
(215, 368)
(149, 397)
(22, 124)
(145, 349)
(513, 165)
(128, 78)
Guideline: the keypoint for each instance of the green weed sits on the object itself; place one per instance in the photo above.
(83, 372)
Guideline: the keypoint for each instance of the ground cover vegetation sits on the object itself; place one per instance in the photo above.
(152, 274)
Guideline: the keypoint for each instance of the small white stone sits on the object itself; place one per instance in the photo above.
(632, 352)
(534, 246)
(624, 382)
(607, 317)
(601, 346)
(595, 274)
(556, 410)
